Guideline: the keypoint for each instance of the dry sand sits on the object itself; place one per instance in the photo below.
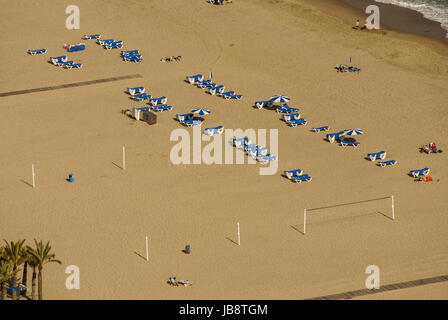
(258, 48)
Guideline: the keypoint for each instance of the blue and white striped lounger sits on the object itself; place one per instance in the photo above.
(254, 147)
(289, 174)
(39, 51)
(256, 150)
(91, 36)
(298, 122)
(292, 116)
(232, 96)
(194, 79)
(185, 116)
(162, 107)
(55, 60)
(377, 155)
(215, 90)
(263, 159)
(420, 172)
(215, 130)
(192, 122)
(387, 163)
(324, 128)
(135, 90)
(156, 101)
(348, 143)
(223, 94)
(141, 96)
(303, 177)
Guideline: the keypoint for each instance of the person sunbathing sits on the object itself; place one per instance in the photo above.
(173, 282)
(184, 283)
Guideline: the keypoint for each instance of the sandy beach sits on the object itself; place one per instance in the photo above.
(257, 48)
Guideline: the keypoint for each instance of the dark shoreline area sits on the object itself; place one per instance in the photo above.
(401, 19)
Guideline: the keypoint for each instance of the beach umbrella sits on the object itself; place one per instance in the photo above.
(210, 75)
(353, 132)
(279, 98)
(201, 111)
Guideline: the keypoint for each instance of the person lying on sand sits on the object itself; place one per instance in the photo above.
(173, 282)
(172, 58)
(184, 283)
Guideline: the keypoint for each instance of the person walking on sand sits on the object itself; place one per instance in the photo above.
(357, 24)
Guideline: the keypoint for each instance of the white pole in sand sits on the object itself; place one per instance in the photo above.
(147, 252)
(393, 208)
(124, 158)
(32, 171)
(304, 221)
(238, 224)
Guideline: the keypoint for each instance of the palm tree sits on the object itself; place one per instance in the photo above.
(32, 262)
(42, 256)
(6, 273)
(15, 254)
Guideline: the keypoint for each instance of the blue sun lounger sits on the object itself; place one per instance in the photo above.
(130, 53)
(55, 60)
(91, 36)
(113, 45)
(256, 150)
(215, 90)
(77, 47)
(103, 42)
(291, 173)
(263, 159)
(133, 59)
(156, 101)
(199, 83)
(300, 178)
(298, 122)
(135, 90)
(215, 130)
(349, 143)
(206, 85)
(192, 122)
(261, 104)
(241, 142)
(39, 51)
(387, 163)
(73, 65)
(162, 107)
(420, 172)
(377, 155)
(324, 128)
(64, 63)
(141, 96)
(232, 96)
(334, 136)
(286, 109)
(254, 147)
(292, 116)
(185, 116)
(194, 79)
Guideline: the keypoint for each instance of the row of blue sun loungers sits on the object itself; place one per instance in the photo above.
(110, 43)
(213, 131)
(286, 109)
(156, 104)
(61, 61)
(212, 88)
(132, 56)
(419, 172)
(257, 152)
(297, 175)
(39, 51)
